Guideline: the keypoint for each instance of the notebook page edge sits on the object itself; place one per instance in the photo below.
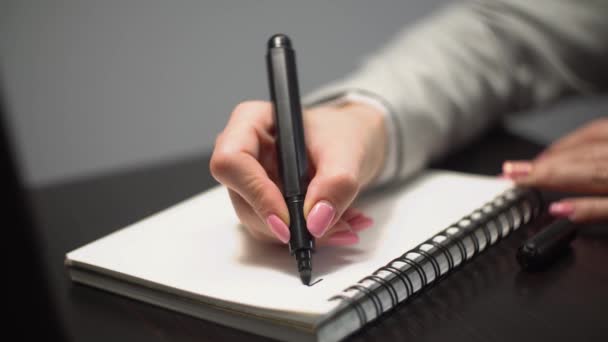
(298, 319)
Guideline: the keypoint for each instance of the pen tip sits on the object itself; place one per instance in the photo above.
(305, 276)
(304, 260)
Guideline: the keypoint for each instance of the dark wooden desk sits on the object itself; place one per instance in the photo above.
(487, 300)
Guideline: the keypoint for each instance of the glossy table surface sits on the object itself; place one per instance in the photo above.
(489, 299)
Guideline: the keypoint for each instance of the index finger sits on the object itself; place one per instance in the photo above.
(585, 176)
(235, 160)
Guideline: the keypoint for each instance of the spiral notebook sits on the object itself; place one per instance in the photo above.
(196, 259)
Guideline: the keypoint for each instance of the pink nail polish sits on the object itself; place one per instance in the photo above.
(278, 228)
(343, 239)
(561, 209)
(360, 223)
(319, 218)
(513, 169)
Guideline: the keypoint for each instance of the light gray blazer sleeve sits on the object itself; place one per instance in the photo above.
(448, 77)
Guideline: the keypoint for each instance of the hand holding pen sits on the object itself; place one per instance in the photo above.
(345, 146)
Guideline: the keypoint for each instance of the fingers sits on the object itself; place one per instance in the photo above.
(351, 213)
(329, 194)
(345, 232)
(243, 174)
(333, 188)
(577, 163)
(583, 170)
(273, 230)
(581, 210)
(361, 223)
(595, 131)
(235, 164)
(357, 220)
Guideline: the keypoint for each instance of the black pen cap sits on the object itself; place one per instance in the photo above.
(546, 246)
(279, 40)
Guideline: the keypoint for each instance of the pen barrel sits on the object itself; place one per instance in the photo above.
(285, 95)
(300, 238)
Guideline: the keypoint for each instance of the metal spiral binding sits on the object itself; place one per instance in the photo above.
(506, 213)
(445, 251)
(416, 266)
(372, 295)
(407, 283)
(389, 288)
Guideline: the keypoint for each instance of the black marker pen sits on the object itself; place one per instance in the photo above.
(546, 246)
(291, 148)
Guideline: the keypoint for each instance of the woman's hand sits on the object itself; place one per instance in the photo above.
(345, 148)
(577, 163)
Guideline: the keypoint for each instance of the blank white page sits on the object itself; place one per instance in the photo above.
(198, 246)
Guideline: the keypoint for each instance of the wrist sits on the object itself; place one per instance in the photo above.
(373, 136)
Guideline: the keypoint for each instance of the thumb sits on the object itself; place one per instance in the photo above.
(330, 193)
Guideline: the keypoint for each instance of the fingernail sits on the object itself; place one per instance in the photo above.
(343, 239)
(511, 169)
(561, 209)
(278, 228)
(319, 218)
(360, 223)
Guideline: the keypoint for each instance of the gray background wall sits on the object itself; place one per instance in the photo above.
(95, 86)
